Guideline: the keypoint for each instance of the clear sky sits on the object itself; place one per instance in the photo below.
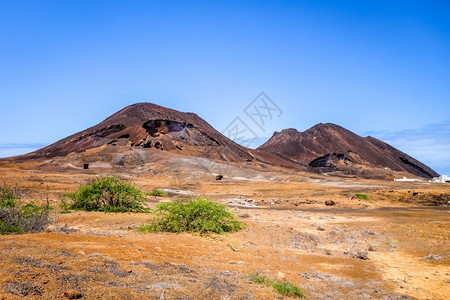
(374, 67)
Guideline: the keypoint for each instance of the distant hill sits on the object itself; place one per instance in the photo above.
(329, 147)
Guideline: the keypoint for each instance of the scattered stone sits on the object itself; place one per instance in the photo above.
(372, 248)
(239, 201)
(330, 203)
(359, 254)
(23, 288)
(94, 255)
(73, 294)
(132, 226)
(433, 257)
(244, 215)
(320, 227)
(164, 285)
(369, 232)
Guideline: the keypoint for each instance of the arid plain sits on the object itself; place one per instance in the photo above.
(393, 246)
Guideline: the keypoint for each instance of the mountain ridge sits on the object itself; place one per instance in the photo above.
(131, 136)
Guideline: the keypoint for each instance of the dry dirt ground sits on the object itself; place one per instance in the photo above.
(355, 249)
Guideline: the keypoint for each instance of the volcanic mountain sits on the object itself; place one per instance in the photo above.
(145, 126)
(331, 147)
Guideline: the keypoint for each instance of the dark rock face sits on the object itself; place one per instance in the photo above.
(331, 161)
(331, 146)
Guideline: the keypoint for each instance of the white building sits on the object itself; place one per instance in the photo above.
(409, 179)
(444, 178)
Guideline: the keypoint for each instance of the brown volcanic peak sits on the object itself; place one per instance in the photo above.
(330, 145)
(144, 126)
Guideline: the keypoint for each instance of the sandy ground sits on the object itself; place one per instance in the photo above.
(355, 249)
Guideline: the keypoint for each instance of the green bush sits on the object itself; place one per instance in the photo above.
(362, 196)
(197, 215)
(109, 194)
(8, 197)
(260, 279)
(288, 289)
(9, 229)
(16, 217)
(282, 287)
(157, 193)
(64, 204)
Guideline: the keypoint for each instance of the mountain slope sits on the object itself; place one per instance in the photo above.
(148, 126)
(331, 146)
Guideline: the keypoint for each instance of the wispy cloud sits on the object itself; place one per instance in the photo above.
(19, 145)
(430, 145)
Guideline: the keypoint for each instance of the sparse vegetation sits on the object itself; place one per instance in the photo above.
(362, 196)
(109, 194)
(64, 204)
(157, 193)
(197, 215)
(392, 243)
(260, 279)
(16, 217)
(282, 287)
(288, 289)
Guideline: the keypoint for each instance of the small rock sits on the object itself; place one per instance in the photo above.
(372, 248)
(320, 227)
(81, 252)
(329, 202)
(73, 294)
(433, 257)
(281, 275)
(164, 285)
(359, 254)
(95, 255)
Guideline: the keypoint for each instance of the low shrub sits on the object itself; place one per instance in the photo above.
(16, 217)
(157, 193)
(288, 289)
(282, 287)
(197, 215)
(260, 279)
(362, 196)
(109, 194)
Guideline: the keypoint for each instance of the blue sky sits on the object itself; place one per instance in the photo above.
(374, 67)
